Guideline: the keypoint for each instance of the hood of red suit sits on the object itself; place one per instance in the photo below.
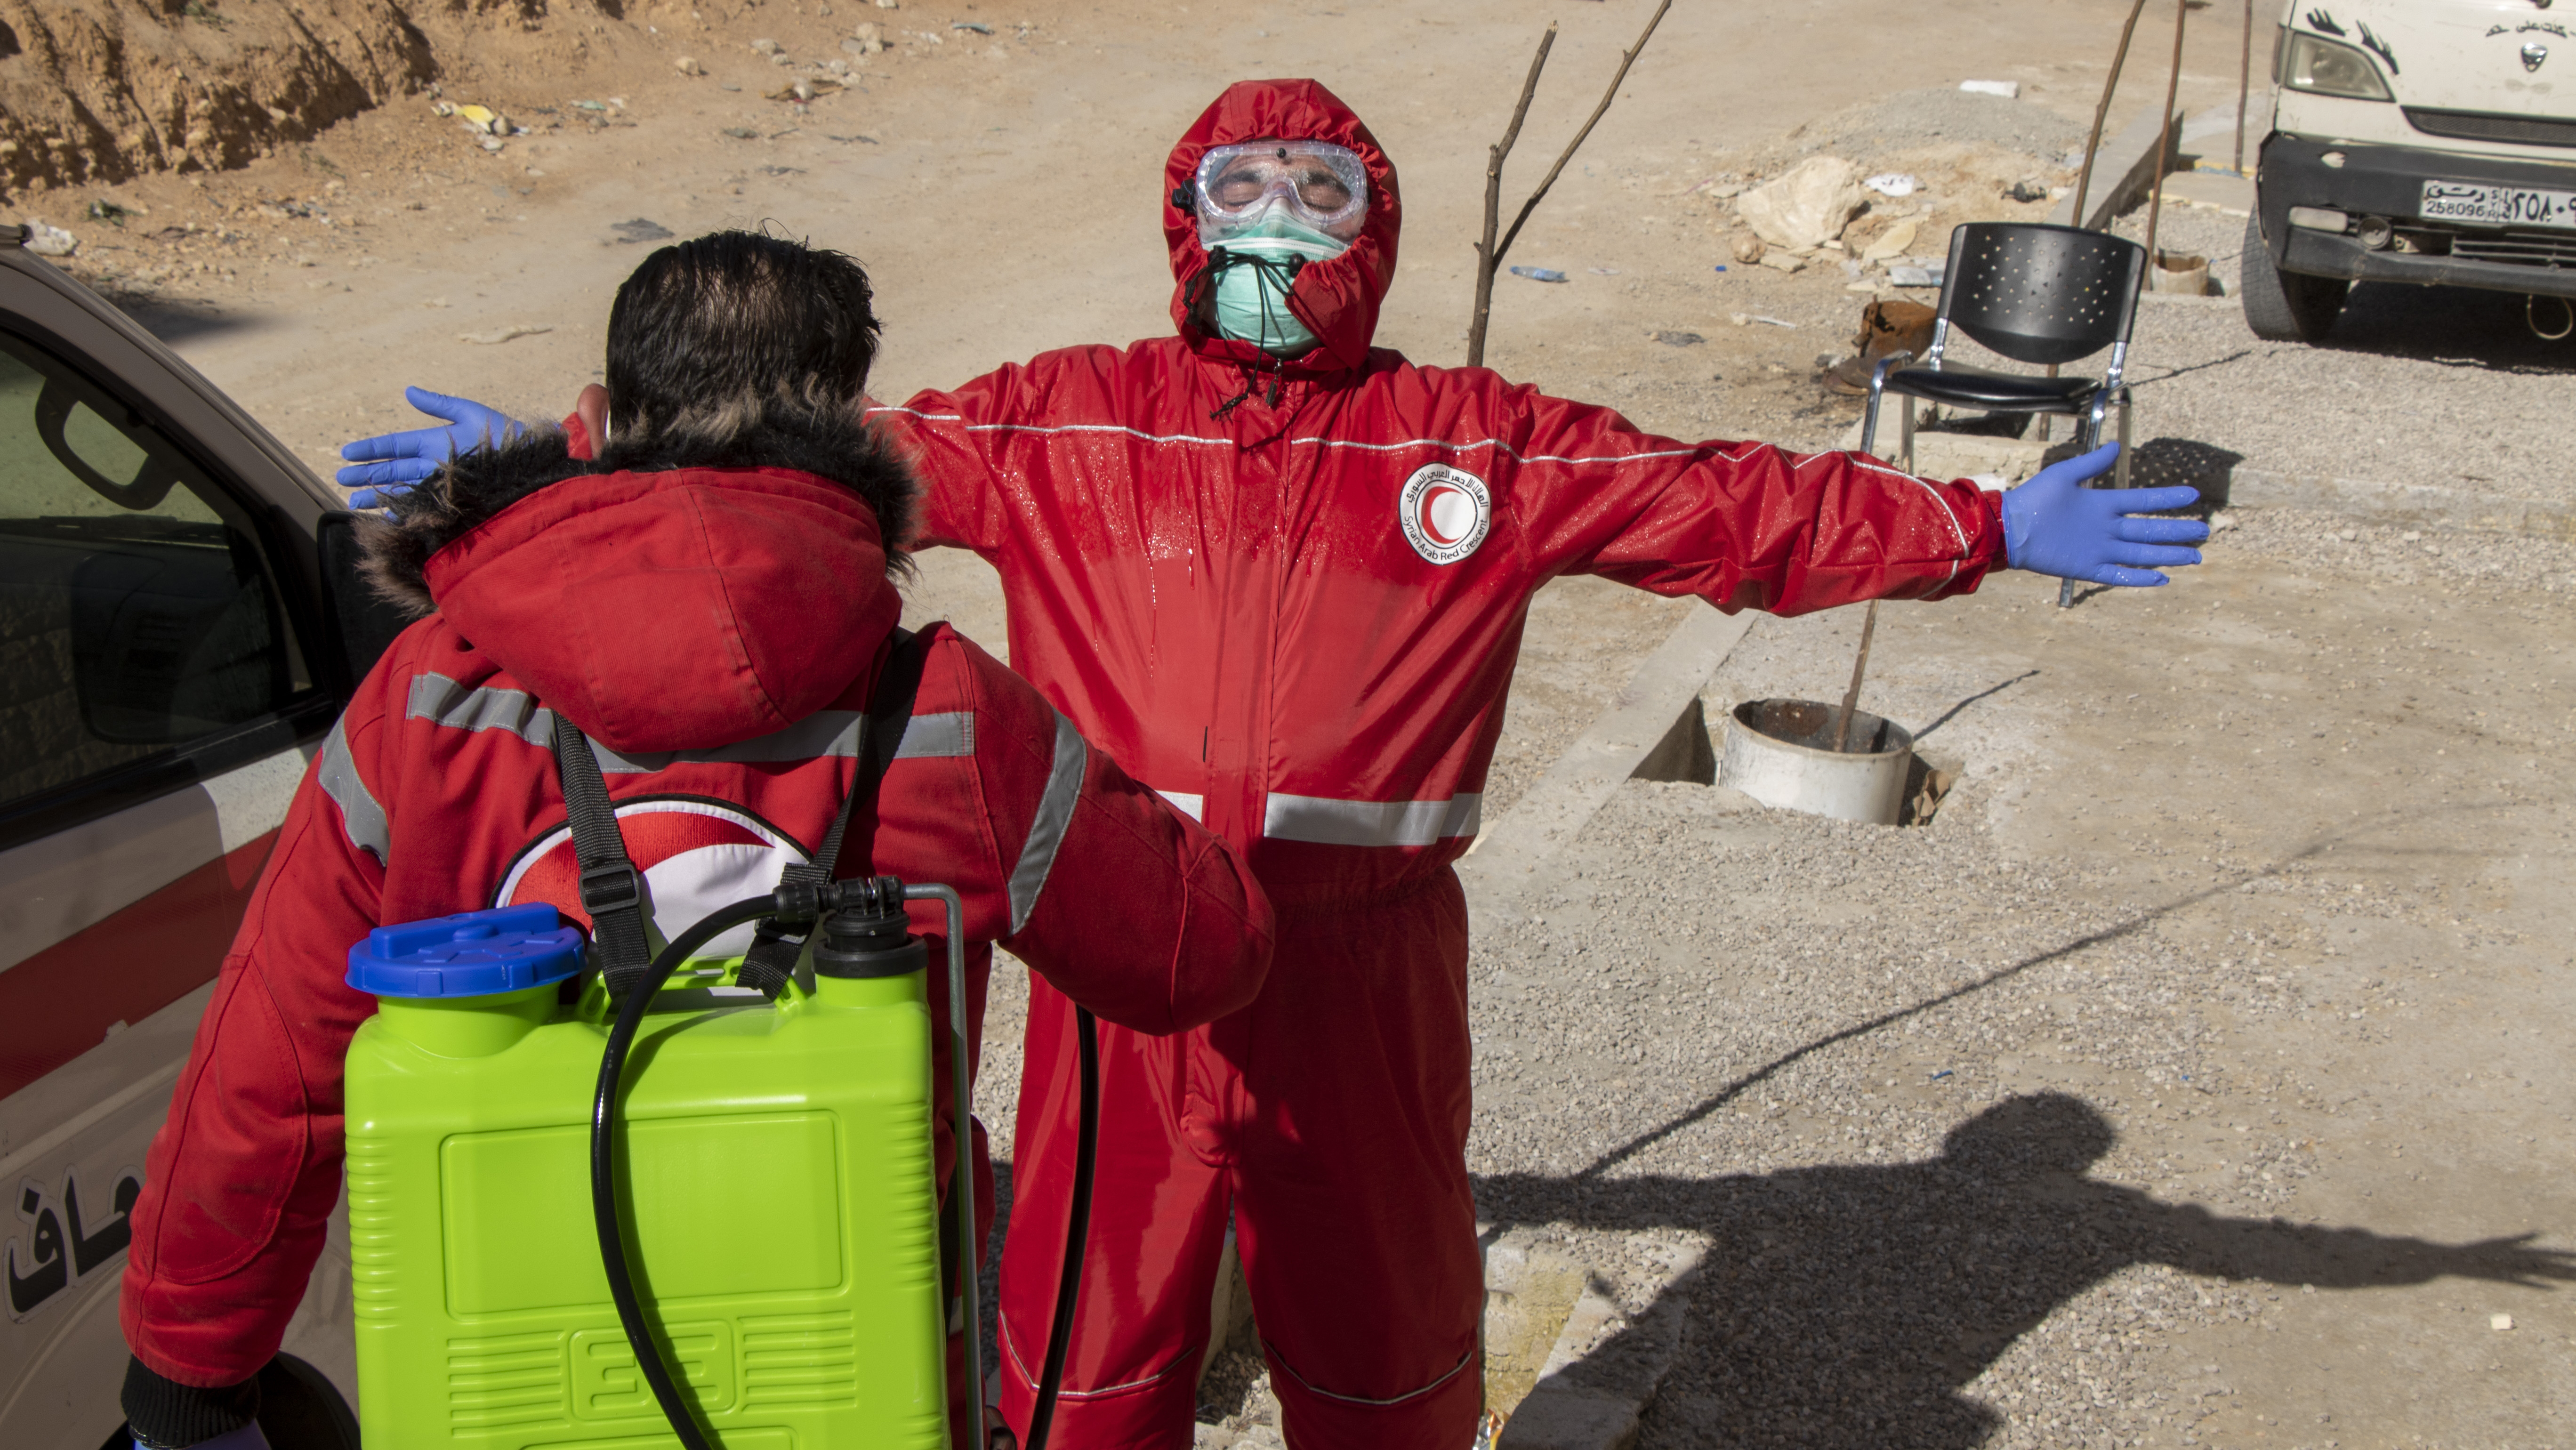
(1337, 298)
(679, 609)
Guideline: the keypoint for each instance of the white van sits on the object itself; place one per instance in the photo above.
(180, 623)
(2415, 141)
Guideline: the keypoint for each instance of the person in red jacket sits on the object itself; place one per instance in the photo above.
(708, 600)
(1282, 574)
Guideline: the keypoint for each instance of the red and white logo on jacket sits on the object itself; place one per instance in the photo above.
(696, 855)
(1445, 512)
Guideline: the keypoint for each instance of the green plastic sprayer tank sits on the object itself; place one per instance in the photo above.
(777, 1188)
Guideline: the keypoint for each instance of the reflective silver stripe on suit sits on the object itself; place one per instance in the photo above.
(1054, 818)
(443, 701)
(337, 774)
(1327, 822)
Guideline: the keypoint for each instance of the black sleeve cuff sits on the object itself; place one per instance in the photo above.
(167, 1415)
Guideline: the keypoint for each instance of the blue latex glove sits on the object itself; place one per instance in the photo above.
(247, 1437)
(391, 463)
(2055, 525)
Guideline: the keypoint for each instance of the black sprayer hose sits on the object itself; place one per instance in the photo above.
(603, 1181)
(1077, 1230)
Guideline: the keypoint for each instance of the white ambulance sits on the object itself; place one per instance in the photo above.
(179, 625)
(2416, 141)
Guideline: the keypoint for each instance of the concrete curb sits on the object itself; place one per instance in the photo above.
(1653, 730)
(2414, 504)
(1605, 1368)
(2122, 169)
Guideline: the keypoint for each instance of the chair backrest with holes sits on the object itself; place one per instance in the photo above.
(2041, 294)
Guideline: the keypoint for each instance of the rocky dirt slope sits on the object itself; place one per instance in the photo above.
(103, 91)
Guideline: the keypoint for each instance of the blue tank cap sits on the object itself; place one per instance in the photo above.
(470, 954)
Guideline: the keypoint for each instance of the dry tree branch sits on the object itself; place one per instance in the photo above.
(2102, 108)
(1627, 58)
(1486, 260)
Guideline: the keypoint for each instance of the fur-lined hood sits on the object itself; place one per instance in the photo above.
(468, 492)
(675, 593)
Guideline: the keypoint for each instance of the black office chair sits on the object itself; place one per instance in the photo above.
(2036, 294)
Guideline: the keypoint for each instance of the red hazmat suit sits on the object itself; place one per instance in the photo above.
(1289, 596)
(716, 632)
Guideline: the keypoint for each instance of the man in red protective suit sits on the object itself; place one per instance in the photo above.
(1282, 576)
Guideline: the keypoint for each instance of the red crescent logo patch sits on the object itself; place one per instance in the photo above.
(1445, 513)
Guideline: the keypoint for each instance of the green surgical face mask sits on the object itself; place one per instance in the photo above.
(1253, 279)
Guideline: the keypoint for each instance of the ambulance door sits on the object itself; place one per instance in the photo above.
(169, 660)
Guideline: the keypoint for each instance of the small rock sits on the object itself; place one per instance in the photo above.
(2026, 190)
(47, 241)
(1892, 183)
(889, 4)
(867, 39)
(1679, 339)
(687, 65)
(503, 334)
(1748, 250)
(2499, 1322)
(1784, 262)
(2009, 90)
(1809, 205)
(765, 46)
(1892, 242)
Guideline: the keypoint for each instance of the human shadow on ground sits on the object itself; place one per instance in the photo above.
(1849, 1304)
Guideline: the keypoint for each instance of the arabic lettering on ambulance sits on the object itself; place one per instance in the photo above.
(2546, 27)
(63, 1247)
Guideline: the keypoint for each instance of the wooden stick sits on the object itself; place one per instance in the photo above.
(1486, 259)
(1851, 697)
(2164, 141)
(2244, 85)
(1626, 58)
(2102, 108)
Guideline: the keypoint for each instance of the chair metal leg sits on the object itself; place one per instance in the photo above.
(2122, 480)
(1905, 430)
(1877, 391)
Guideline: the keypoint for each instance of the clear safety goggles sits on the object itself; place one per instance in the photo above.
(1319, 184)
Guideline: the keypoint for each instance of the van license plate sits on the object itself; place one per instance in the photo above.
(2497, 206)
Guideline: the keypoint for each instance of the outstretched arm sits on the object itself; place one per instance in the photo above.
(2342, 1258)
(1747, 525)
(392, 462)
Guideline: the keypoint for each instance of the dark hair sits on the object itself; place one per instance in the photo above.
(710, 334)
(733, 350)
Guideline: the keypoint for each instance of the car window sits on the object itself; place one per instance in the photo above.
(138, 609)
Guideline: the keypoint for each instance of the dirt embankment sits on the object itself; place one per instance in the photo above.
(102, 91)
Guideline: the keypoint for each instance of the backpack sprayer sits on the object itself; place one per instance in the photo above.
(766, 1176)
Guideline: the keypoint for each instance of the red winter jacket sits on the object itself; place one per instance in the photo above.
(1289, 596)
(716, 632)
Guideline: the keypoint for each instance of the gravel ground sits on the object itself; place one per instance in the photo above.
(1894, 1208)
(2436, 386)
(2058, 1121)
(1911, 120)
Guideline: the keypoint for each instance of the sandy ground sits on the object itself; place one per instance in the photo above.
(2253, 903)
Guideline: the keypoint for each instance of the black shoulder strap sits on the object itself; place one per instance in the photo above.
(612, 890)
(773, 953)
